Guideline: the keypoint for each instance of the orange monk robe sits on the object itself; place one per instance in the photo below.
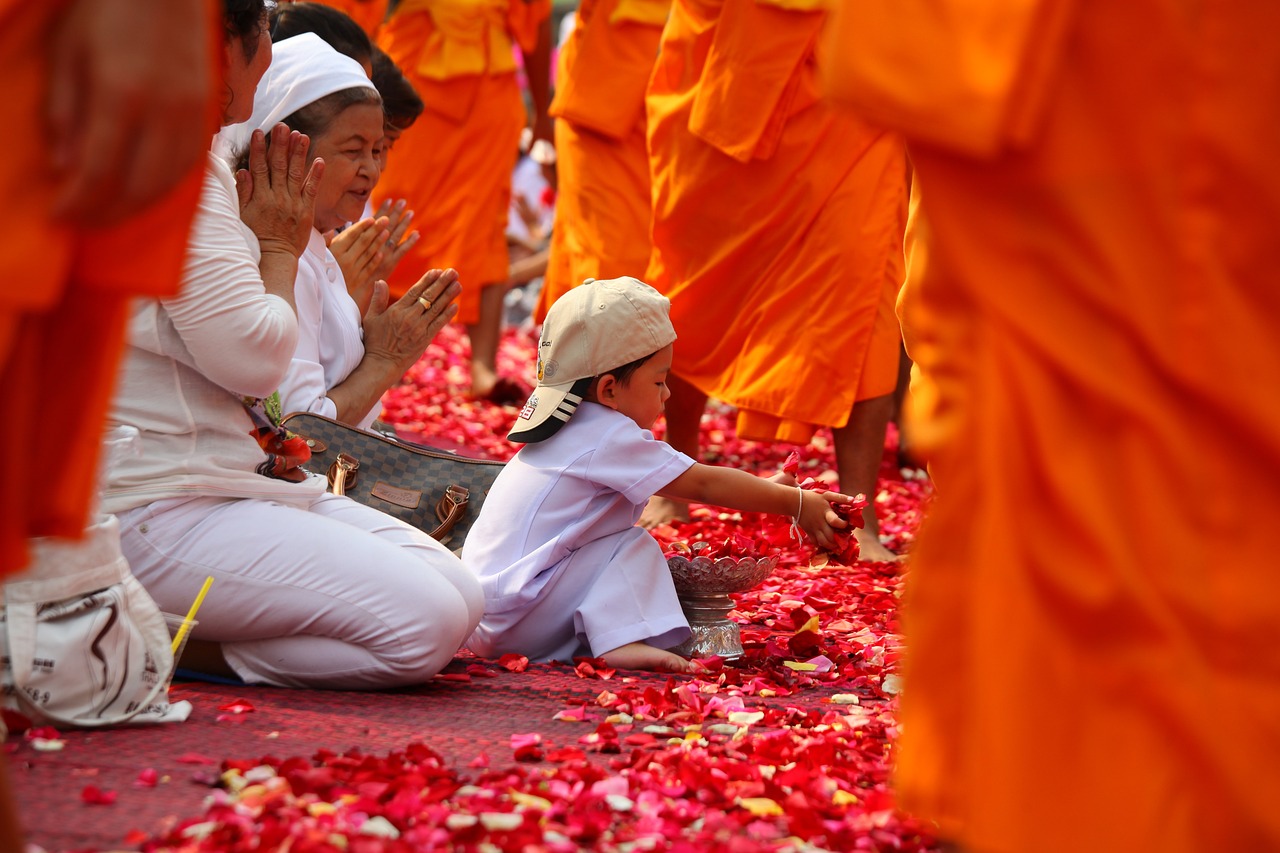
(454, 164)
(777, 221)
(602, 165)
(63, 304)
(1093, 618)
(369, 14)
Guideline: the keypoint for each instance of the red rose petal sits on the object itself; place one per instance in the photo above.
(238, 706)
(95, 796)
(513, 663)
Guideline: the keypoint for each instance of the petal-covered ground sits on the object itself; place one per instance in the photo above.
(789, 748)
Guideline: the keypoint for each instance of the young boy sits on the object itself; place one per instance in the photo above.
(565, 571)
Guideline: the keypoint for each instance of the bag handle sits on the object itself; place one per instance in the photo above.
(450, 509)
(342, 473)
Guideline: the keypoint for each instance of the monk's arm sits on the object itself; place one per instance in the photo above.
(537, 65)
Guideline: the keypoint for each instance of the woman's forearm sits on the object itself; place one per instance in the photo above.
(279, 271)
(363, 388)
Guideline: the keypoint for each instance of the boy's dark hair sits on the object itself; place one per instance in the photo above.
(241, 19)
(343, 34)
(401, 104)
(623, 374)
(314, 119)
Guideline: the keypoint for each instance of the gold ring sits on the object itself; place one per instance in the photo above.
(425, 303)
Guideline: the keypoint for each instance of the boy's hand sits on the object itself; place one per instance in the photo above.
(817, 517)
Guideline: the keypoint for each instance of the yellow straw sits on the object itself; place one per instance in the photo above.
(185, 628)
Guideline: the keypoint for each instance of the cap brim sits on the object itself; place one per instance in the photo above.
(549, 407)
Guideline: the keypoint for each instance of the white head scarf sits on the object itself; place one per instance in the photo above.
(303, 70)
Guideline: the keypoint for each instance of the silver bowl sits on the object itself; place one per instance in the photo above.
(703, 585)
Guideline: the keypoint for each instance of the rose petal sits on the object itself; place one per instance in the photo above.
(95, 796)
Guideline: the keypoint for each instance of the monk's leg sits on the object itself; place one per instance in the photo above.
(684, 417)
(859, 447)
(485, 335)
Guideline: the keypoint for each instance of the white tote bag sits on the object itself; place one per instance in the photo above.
(81, 642)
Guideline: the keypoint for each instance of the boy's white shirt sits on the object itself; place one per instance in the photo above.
(590, 480)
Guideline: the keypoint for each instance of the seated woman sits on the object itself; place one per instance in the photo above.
(310, 589)
(344, 361)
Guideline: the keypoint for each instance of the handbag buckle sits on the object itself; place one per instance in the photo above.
(342, 473)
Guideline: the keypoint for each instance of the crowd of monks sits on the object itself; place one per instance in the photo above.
(1074, 207)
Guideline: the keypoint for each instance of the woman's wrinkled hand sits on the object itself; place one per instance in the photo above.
(359, 250)
(400, 332)
(278, 191)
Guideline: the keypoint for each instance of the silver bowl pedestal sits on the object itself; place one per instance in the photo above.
(704, 585)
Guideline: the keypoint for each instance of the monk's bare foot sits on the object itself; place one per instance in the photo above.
(870, 548)
(482, 381)
(644, 656)
(661, 511)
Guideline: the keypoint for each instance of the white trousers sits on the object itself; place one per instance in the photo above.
(612, 591)
(334, 595)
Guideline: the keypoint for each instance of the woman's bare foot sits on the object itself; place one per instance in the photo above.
(871, 549)
(645, 656)
(661, 510)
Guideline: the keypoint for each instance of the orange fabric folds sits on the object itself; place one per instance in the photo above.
(1093, 613)
(454, 164)
(751, 77)
(781, 255)
(64, 295)
(473, 36)
(968, 76)
(602, 208)
(605, 65)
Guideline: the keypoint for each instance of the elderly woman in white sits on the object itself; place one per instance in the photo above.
(344, 362)
(310, 589)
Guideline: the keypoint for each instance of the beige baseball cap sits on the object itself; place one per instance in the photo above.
(596, 327)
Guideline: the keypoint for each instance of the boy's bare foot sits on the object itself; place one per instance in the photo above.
(870, 548)
(661, 510)
(645, 656)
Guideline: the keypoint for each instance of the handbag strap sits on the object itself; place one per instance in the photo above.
(450, 509)
(342, 473)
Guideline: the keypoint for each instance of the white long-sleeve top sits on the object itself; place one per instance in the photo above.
(192, 357)
(330, 340)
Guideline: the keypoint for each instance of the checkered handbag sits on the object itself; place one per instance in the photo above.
(434, 490)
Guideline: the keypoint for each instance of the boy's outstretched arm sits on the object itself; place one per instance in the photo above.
(729, 487)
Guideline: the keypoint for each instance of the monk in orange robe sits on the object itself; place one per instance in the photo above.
(777, 235)
(93, 217)
(82, 235)
(454, 165)
(1093, 617)
(602, 165)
